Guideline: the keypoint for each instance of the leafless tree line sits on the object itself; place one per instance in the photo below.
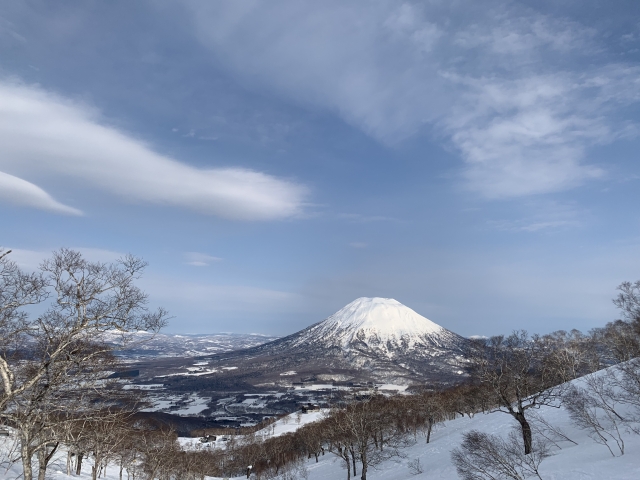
(522, 373)
(361, 433)
(607, 404)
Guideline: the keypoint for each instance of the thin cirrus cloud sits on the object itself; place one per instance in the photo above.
(502, 85)
(197, 259)
(41, 133)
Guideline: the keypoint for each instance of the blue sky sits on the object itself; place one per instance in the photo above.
(273, 161)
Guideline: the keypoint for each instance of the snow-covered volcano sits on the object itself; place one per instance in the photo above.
(380, 327)
(382, 320)
(376, 339)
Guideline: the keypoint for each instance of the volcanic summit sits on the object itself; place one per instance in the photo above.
(371, 322)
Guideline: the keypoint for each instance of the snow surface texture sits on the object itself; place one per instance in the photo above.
(585, 461)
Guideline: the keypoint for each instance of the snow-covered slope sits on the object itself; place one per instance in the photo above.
(585, 461)
(582, 460)
(579, 458)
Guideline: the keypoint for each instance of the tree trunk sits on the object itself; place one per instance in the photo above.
(526, 432)
(44, 457)
(96, 467)
(27, 469)
(79, 456)
(344, 454)
(346, 458)
(25, 453)
(364, 466)
(430, 425)
(42, 463)
(353, 459)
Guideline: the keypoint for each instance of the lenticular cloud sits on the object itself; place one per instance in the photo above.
(20, 192)
(40, 132)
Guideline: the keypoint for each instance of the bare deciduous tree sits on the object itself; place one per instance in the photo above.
(571, 354)
(628, 301)
(516, 370)
(48, 359)
(91, 298)
(594, 406)
(158, 448)
(367, 433)
(489, 457)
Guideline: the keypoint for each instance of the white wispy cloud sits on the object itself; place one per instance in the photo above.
(526, 136)
(522, 36)
(197, 259)
(44, 133)
(538, 216)
(23, 193)
(505, 86)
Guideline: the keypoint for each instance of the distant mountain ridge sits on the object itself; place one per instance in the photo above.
(174, 345)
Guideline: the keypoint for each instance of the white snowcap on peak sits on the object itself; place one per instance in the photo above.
(384, 317)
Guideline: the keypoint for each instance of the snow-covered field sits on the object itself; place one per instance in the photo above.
(586, 460)
(291, 423)
(189, 404)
